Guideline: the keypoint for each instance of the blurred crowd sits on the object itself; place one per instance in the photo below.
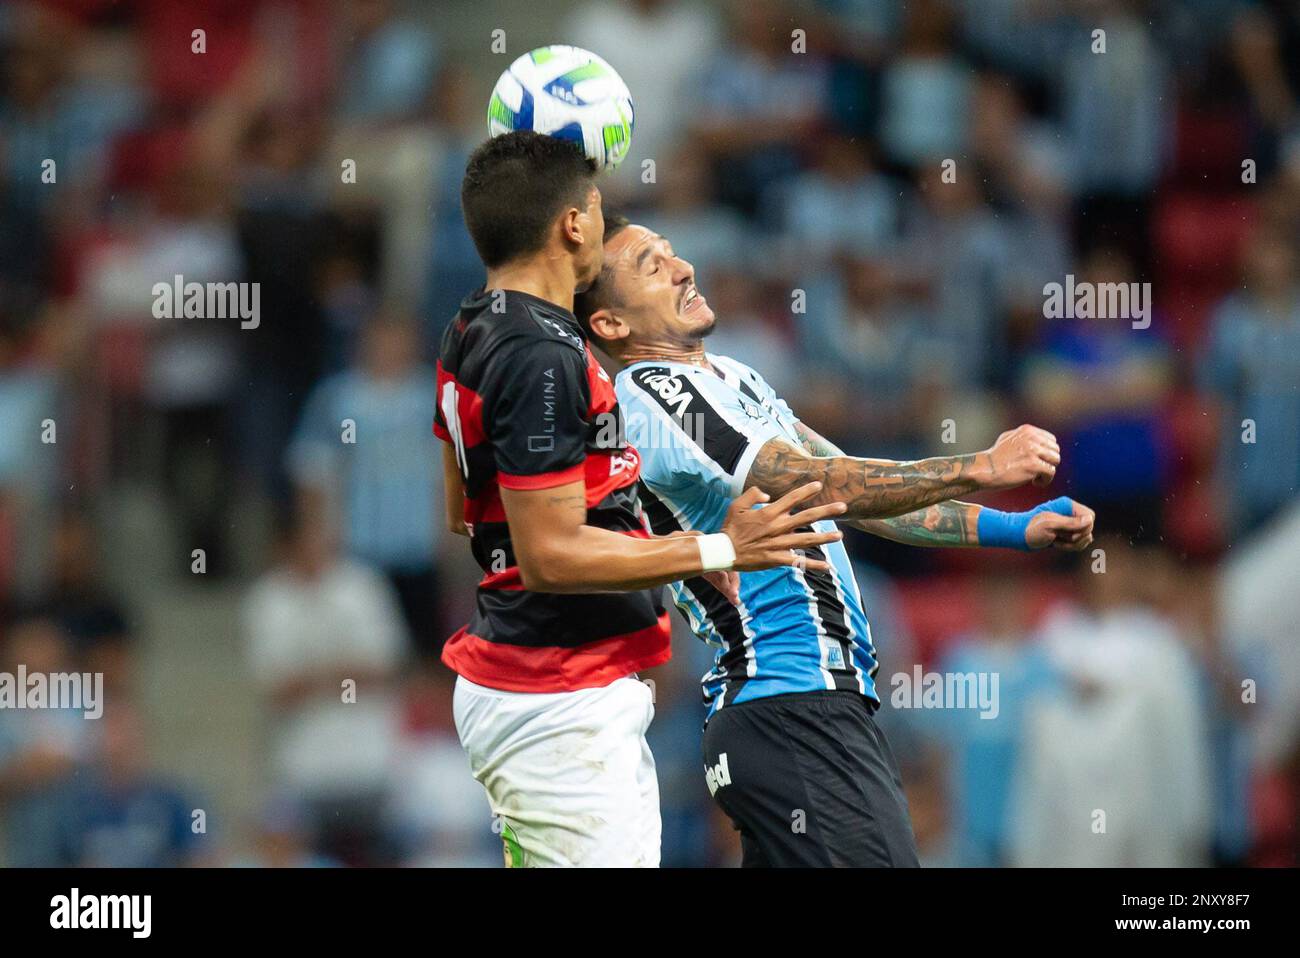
(874, 194)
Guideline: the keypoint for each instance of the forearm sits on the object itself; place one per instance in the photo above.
(453, 491)
(598, 560)
(558, 552)
(948, 524)
(871, 488)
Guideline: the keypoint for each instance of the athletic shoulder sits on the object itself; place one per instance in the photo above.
(745, 373)
(498, 324)
(752, 384)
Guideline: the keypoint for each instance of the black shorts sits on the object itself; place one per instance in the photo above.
(809, 780)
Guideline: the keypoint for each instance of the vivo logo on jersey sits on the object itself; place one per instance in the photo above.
(718, 776)
(669, 388)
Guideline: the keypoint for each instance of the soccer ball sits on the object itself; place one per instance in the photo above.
(568, 93)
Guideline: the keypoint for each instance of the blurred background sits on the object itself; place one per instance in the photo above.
(1165, 691)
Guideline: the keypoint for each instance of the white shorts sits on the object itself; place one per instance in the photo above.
(569, 775)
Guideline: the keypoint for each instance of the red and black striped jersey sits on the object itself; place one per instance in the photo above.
(525, 405)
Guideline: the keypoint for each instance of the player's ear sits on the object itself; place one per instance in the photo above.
(607, 327)
(571, 226)
(577, 225)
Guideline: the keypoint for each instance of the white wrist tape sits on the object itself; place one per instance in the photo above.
(716, 552)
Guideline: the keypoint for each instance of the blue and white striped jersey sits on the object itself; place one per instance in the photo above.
(698, 432)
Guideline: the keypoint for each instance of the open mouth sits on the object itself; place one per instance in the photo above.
(691, 299)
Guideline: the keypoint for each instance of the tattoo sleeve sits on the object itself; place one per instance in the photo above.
(946, 523)
(949, 523)
(871, 488)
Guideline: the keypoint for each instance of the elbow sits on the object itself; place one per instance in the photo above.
(531, 580)
(542, 573)
(454, 519)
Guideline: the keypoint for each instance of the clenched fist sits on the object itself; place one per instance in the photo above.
(1025, 454)
(1072, 533)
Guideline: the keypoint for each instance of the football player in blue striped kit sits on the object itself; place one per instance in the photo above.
(792, 691)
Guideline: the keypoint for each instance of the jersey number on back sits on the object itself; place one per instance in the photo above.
(451, 413)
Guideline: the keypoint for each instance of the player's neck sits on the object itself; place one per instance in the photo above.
(690, 353)
(548, 278)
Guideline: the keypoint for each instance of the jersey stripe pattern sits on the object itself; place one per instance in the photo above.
(526, 406)
(795, 630)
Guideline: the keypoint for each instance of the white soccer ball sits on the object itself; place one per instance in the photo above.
(566, 92)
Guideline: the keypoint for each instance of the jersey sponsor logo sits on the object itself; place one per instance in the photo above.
(835, 657)
(558, 329)
(622, 462)
(719, 776)
(669, 389)
(545, 441)
(713, 431)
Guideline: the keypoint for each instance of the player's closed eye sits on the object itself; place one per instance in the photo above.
(670, 254)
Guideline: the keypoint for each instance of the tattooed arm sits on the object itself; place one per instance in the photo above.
(884, 489)
(947, 523)
(955, 524)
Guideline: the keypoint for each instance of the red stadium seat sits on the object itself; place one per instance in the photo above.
(1199, 239)
(1193, 430)
(1193, 518)
(940, 609)
(936, 610)
(1274, 814)
(1208, 148)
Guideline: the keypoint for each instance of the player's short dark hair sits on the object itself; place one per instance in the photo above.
(515, 186)
(598, 294)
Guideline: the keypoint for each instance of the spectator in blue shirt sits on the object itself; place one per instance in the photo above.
(1252, 366)
(985, 751)
(364, 452)
(1101, 386)
(121, 814)
(41, 750)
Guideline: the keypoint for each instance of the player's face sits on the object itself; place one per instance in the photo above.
(655, 288)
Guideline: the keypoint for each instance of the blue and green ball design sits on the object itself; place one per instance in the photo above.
(569, 93)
